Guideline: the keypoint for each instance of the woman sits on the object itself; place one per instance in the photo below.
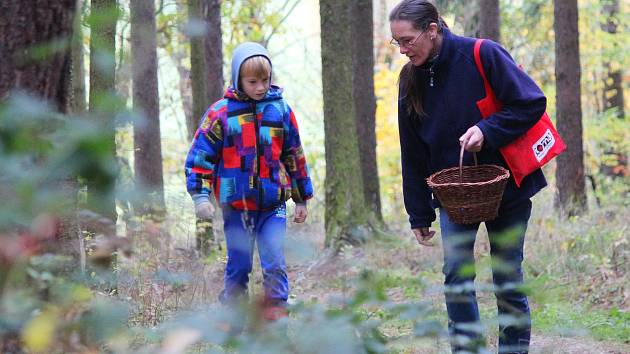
(439, 88)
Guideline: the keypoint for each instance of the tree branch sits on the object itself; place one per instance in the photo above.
(284, 18)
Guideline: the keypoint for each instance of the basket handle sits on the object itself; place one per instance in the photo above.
(461, 160)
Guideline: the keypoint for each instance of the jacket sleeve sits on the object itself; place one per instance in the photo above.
(204, 155)
(523, 103)
(414, 158)
(294, 160)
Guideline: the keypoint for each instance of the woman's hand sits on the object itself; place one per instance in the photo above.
(473, 138)
(423, 235)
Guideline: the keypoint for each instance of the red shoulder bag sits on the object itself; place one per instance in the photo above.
(530, 151)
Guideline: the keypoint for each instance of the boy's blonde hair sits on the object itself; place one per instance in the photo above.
(257, 66)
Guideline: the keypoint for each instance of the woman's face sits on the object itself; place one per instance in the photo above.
(415, 44)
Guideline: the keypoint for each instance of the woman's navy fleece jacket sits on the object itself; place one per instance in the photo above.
(431, 143)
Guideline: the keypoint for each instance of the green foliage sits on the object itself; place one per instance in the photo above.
(169, 36)
(42, 154)
(527, 33)
(607, 147)
(253, 20)
(40, 149)
(576, 320)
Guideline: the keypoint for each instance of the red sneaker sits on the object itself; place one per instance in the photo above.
(274, 313)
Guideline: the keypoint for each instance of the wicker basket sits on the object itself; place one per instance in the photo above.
(470, 194)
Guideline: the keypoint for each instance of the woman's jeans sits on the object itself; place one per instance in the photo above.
(242, 230)
(506, 234)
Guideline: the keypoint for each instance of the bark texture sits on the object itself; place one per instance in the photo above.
(346, 214)
(490, 20)
(146, 131)
(613, 82)
(571, 198)
(103, 18)
(365, 100)
(34, 43)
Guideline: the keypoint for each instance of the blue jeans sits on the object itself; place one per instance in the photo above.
(506, 234)
(242, 230)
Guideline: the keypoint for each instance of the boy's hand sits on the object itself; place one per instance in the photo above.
(204, 210)
(301, 212)
(424, 235)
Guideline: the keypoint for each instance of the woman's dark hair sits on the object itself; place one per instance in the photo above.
(421, 14)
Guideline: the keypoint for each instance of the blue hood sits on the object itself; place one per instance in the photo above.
(243, 52)
(274, 93)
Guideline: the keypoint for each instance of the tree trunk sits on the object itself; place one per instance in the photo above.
(198, 69)
(470, 18)
(571, 198)
(206, 65)
(211, 10)
(21, 29)
(46, 76)
(365, 100)
(382, 33)
(78, 67)
(612, 95)
(78, 106)
(346, 213)
(613, 87)
(146, 130)
(103, 18)
(185, 90)
(489, 20)
(180, 56)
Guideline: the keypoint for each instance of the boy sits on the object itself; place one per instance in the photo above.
(248, 149)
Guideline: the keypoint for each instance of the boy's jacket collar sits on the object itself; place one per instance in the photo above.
(274, 93)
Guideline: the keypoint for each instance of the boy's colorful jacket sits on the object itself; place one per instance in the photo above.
(249, 152)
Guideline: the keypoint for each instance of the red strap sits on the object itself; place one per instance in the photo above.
(486, 84)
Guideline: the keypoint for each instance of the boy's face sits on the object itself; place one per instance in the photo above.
(255, 87)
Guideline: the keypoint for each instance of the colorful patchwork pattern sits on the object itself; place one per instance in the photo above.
(250, 153)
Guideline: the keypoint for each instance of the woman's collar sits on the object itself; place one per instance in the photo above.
(441, 56)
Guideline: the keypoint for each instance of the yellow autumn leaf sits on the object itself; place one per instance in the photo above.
(38, 332)
(81, 294)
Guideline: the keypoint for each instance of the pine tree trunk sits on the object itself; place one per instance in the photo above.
(46, 77)
(346, 213)
(146, 131)
(205, 78)
(198, 69)
(78, 67)
(382, 32)
(365, 100)
(211, 10)
(470, 17)
(103, 18)
(613, 87)
(78, 106)
(612, 95)
(571, 198)
(489, 20)
(180, 57)
(21, 30)
(185, 90)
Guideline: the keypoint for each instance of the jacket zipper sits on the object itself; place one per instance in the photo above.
(257, 171)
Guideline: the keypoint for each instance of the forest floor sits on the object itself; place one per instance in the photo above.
(406, 259)
(573, 310)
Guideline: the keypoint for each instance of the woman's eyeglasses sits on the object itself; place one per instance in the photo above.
(405, 42)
